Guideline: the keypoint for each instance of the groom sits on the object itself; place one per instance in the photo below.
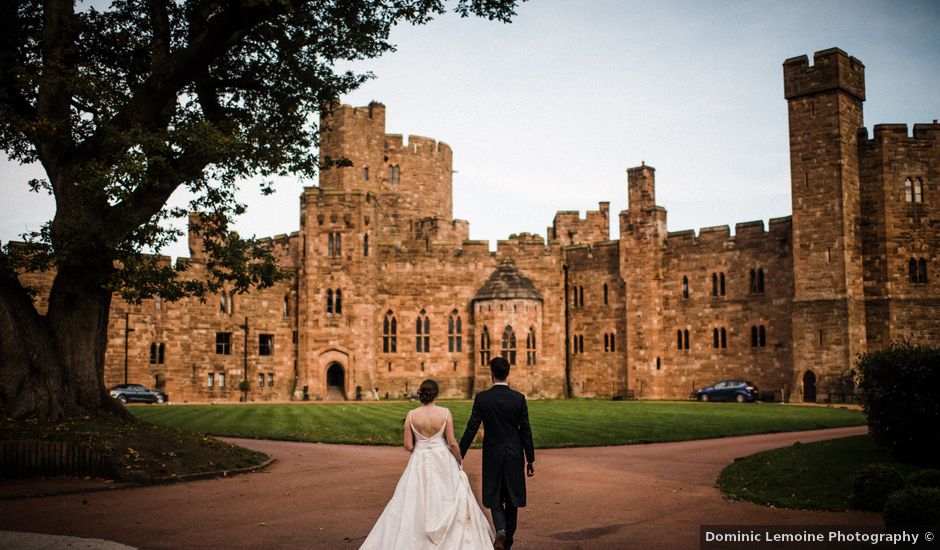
(506, 435)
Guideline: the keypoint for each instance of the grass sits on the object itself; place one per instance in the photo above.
(139, 451)
(812, 476)
(555, 423)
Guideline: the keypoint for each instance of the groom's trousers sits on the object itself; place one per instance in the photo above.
(505, 514)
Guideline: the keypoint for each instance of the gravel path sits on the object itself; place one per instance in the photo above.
(328, 496)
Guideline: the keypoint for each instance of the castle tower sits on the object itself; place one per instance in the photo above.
(825, 112)
(642, 233)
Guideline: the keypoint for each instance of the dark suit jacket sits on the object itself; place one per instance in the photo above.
(507, 436)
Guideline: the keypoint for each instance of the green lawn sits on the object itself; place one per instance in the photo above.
(814, 476)
(555, 423)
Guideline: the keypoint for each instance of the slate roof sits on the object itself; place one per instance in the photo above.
(507, 283)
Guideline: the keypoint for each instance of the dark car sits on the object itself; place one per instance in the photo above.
(729, 390)
(129, 393)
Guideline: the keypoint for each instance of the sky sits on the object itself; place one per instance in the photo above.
(548, 112)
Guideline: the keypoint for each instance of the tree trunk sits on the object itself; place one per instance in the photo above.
(52, 366)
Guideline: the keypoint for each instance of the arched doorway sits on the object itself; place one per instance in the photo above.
(809, 387)
(335, 382)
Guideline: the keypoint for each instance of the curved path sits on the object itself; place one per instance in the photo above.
(328, 496)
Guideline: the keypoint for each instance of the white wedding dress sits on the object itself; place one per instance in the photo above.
(433, 505)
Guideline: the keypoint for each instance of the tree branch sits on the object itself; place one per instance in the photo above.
(160, 30)
(11, 67)
(54, 100)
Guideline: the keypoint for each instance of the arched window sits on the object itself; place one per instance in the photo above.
(389, 333)
(753, 336)
(530, 347)
(581, 296)
(153, 354)
(760, 280)
(724, 338)
(715, 338)
(721, 284)
(286, 305)
(762, 335)
(605, 294)
(161, 353)
(365, 173)
(679, 339)
(912, 270)
(508, 350)
(685, 287)
(454, 344)
(422, 333)
(918, 190)
(484, 347)
(714, 284)
(227, 302)
(606, 342)
(686, 334)
(581, 344)
(922, 270)
(339, 301)
(613, 342)
(394, 174)
(908, 190)
(329, 300)
(753, 286)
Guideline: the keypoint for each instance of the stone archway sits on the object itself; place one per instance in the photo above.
(809, 387)
(335, 382)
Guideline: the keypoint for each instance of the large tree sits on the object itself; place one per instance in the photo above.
(123, 106)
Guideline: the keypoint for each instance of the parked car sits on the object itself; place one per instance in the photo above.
(729, 390)
(128, 393)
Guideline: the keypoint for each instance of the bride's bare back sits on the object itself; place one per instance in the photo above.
(427, 421)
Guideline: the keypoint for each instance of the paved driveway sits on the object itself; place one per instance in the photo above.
(328, 496)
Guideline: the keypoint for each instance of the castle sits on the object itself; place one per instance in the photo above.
(387, 289)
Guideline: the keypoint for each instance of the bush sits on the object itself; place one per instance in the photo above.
(925, 478)
(873, 484)
(913, 506)
(899, 394)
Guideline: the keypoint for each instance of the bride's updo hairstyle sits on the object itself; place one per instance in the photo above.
(428, 391)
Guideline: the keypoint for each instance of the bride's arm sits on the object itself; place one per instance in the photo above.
(451, 440)
(409, 435)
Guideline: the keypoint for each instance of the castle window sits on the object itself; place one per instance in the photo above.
(422, 333)
(606, 342)
(389, 334)
(918, 190)
(659, 363)
(605, 294)
(581, 296)
(260, 380)
(715, 339)
(223, 343)
(757, 281)
(508, 350)
(286, 305)
(454, 337)
(158, 302)
(686, 334)
(484, 347)
(161, 353)
(753, 336)
(762, 334)
(265, 344)
(912, 270)
(685, 287)
(393, 174)
(329, 300)
(714, 284)
(613, 342)
(270, 379)
(721, 284)
(530, 359)
(365, 173)
(338, 307)
(724, 338)
(908, 190)
(922, 270)
(334, 245)
(581, 344)
(221, 379)
(210, 380)
(365, 245)
(227, 302)
(917, 270)
(153, 354)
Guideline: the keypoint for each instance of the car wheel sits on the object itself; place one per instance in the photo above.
(159, 400)
(740, 398)
(704, 398)
(123, 399)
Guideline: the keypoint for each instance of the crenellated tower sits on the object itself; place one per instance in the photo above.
(825, 113)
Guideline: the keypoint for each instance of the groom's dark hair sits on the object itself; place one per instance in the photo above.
(499, 366)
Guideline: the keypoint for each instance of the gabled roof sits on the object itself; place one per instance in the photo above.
(507, 283)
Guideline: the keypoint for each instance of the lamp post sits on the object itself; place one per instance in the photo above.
(245, 354)
(127, 331)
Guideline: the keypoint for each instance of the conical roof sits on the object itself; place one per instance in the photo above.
(507, 283)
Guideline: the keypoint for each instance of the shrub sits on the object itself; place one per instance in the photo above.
(913, 506)
(925, 478)
(899, 394)
(873, 484)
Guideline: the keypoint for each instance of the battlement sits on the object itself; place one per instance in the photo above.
(569, 227)
(374, 112)
(641, 187)
(744, 232)
(417, 145)
(900, 133)
(832, 70)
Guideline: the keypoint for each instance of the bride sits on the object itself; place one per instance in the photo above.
(433, 506)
